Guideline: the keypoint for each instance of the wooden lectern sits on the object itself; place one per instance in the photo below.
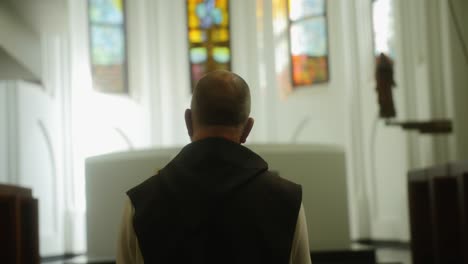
(19, 236)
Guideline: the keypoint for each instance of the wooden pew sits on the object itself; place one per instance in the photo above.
(19, 237)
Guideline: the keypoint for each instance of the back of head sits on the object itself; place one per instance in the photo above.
(221, 98)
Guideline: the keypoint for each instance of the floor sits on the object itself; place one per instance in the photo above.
(390, 256)
(385, 255)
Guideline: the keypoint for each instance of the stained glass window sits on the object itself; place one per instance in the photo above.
(108, 45)
(308, 42)
(209, 37)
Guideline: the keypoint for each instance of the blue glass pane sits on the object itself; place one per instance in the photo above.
(106, 11)
(208, 14)
(309, 37)
(302, 8)
(108, 45)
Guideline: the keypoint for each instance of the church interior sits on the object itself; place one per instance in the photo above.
(362, 102)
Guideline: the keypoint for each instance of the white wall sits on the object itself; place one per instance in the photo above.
(33, 155)
(34, 117)
(4, 170)
(20, 41)
(41, 160)
(459, 77)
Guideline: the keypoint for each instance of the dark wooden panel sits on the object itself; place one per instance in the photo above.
(420, 217)
(8, 229)
(18, 226)
(460, 170)
(29, 231)
(446, 215)
(15, 190)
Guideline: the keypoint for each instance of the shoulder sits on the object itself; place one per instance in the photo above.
(148, 184)
(142, 191)
(274, 182)
(274, 187)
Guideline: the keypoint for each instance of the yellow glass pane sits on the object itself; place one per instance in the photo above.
(118, 4)
(220, 35)
(225, 21)
(193, 21)
(221, 4)
(191, 8)
(195, 36)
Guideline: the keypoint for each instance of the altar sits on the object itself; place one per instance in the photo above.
(320, 169)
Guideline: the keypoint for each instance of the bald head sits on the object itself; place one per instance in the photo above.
(221, 98)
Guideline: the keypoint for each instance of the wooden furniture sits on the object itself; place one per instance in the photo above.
(438, 207)
(19, 237)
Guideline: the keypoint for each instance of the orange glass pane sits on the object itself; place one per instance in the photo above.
(309, 70)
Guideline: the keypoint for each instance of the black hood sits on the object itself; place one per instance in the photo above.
(211, 168)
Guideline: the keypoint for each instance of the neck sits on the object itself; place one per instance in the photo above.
(229, 133)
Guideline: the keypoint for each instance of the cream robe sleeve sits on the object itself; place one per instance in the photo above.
(128, 251)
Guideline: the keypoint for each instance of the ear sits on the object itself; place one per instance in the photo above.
(247, 128)
(189, 122)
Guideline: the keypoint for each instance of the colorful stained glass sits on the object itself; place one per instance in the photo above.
(220, 35)
(197, 36)
(309, 70)
(309, 37)
(198, 55)
(108, 45)
(209, 37)
(308, 42)
(303, 8)
(221, 54)
(106, 11)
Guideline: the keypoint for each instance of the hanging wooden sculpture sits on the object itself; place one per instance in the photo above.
(385, 84)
